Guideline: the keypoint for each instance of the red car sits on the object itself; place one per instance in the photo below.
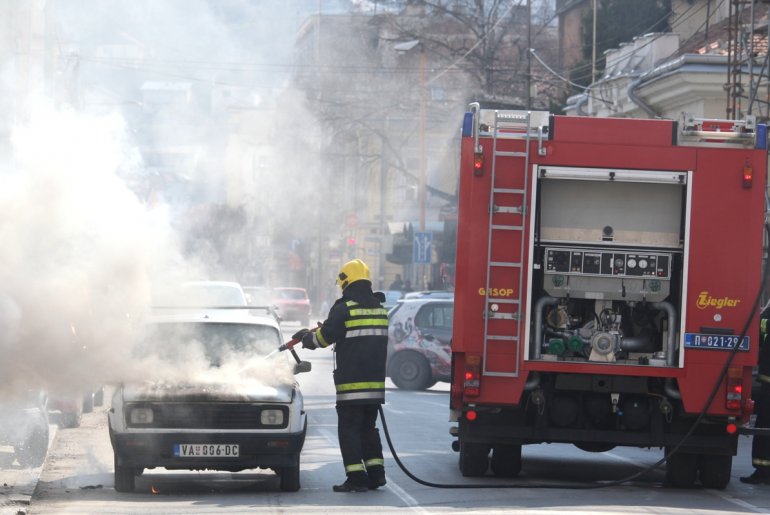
(293, 304)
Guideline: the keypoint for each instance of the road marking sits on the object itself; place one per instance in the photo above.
(739, 502)
(721, 495)
(410, 501)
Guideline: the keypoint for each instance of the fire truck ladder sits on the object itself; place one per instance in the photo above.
(507, 125)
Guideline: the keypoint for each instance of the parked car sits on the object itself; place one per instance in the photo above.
(391, 298)
(212, 294)
(419, 339)
(66, 410)
(233, 423)
(429, 294)
(24, 426)
(293, 304)
(261, 296)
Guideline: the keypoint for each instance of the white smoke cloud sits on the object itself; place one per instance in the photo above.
(80, 252)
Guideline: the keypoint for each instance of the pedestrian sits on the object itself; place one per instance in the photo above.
(357, 330)
(407, 286)
(397, 284)
(760, 445)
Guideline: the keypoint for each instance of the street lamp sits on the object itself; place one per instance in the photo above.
(403, 48)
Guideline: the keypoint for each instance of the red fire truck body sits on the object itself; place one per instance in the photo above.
(606, 269)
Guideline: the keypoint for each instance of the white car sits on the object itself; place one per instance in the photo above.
(419, 341)
(235, 415)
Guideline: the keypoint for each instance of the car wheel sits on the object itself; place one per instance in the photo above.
(99, 397)
(410, 371)
(474, 459)
(88, 402)
(715, 470)
(34, 450)
(289, 477)
(125, 478)
(69, 420)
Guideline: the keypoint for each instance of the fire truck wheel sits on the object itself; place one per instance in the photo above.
(715, 470)
(474, 459)
(410, 371)
(681, 469)
(506, 460)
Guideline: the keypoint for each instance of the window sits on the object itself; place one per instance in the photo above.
(435, 316)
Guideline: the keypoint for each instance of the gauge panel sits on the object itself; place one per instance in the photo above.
(614, 263)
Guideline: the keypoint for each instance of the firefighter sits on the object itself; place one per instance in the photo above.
(357, 327)
(760, 445)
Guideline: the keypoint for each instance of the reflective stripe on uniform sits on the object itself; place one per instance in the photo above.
(763, 378)
(319, 340)
(356, 467)
(760, 463)
(375, 462)
(368, 312)
(356, 396)
(367, 321)
(360, 386)
(763, 326)
(366, 332)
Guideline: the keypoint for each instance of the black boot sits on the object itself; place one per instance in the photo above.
(376, 477)
(759, 477)
(356, 482)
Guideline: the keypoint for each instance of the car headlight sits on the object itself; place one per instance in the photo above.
(141, 416)
(271, 417)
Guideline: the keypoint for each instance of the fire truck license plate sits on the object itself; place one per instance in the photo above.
(206, 450)
(715, 341)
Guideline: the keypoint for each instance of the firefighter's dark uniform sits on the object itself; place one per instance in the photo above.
(357, 326)
(760, 445)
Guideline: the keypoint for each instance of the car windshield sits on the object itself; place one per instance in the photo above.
(217, 342)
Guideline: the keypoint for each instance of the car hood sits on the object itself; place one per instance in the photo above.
(253, 392)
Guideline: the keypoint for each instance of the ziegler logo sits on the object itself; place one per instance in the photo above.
(705, 301)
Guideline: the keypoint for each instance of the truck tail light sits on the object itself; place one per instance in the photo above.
(472, 384)
(748, 176)
(734, 388)
(478, 163)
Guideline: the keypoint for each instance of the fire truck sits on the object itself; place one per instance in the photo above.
(607, 271)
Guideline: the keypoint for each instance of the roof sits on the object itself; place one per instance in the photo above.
(249, 315)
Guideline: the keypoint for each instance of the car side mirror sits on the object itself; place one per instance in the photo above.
(302, 366)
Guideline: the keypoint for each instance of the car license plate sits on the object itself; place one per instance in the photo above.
(206, 450)
(715, 341)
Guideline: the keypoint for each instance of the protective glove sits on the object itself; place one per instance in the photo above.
(308, 341)
(300, 334)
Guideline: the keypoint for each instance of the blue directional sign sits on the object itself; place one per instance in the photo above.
(422, 248)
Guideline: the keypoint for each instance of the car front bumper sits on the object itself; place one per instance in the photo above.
(147, 450)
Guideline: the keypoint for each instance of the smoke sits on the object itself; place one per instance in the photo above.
(86, 236)
(80, 252)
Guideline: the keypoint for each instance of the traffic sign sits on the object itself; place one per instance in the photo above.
(422, 249)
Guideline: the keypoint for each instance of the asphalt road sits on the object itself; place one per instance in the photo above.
(77, 475)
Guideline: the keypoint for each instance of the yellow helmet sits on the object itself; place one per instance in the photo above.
(351, 272)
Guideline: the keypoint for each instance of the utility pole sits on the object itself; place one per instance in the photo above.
(529, 55)
(593, 46)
